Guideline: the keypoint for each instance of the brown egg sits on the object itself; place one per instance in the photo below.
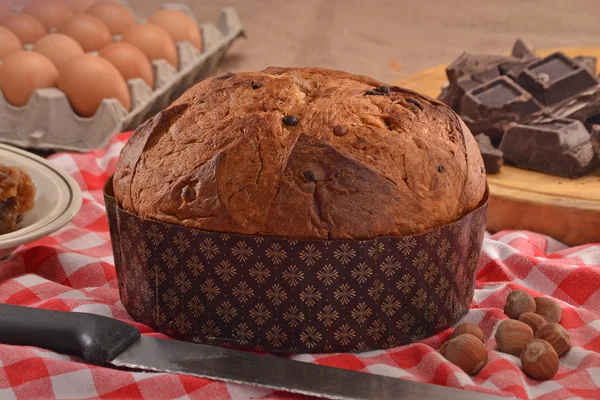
(79, 6)
(153, 41)
(116, 16)
(5, 8)
(129, 60)
(88, 31)
(23, 72)
(87, 80)
(9, 43)
(58, 48)
(178, 25)
(25, 27)
(51, 13)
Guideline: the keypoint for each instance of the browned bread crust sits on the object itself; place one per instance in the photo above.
(364, 160)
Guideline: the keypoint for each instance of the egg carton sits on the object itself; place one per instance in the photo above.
(47, 121)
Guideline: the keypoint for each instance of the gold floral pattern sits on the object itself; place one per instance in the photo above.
(182, 282)
(327, 275)
(293, 275)
(389, 266)
(260, 314)
(390, 305)
(283, 295)
(276, 294)
(169, 258)
(310, 255)
(260, 273)
(243, 292)
(406, 283)
(242, 251)
(344, 254)
(310, 296)
(276, 254)
(195, 266)
(361, 312)
(225, 270)
(328, 315)
(362, 272)
(195, 306)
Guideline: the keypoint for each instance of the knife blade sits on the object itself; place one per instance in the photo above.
(101, 340)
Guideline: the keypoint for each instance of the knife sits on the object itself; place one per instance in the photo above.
(101, 340)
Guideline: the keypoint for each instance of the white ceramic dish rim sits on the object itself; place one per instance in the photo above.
(62, 213)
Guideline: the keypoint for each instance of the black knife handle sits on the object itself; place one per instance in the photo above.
(95, 338)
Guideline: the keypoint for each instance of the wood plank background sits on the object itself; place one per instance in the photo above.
(387, 39)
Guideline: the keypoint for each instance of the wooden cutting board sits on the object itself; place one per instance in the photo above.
(566, 209)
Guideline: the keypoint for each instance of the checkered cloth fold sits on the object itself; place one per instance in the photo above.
(72, 270)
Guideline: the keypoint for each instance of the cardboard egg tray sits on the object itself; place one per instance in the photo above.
(48, 122)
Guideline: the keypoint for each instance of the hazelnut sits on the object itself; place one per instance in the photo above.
(511, 336)
(535, 321)
(517, 303)
(539, 360)
(470, 329)
(557, 336)
(548, 308)
(466, 352)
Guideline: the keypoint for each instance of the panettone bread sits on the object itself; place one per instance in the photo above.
(302, 153)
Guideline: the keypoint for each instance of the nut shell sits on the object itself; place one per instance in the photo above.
(535, 321)
(512, 336)
(548, 308)
(517, 303)
(557, 336)
(466, 352)
(469, 328)
(539, 360)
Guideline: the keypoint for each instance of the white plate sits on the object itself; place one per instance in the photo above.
(57, 199)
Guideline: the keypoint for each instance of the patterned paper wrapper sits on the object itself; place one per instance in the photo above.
(294, 296)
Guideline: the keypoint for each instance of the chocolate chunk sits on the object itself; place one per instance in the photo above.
(555, 78)
(492, 157)
(309, 175)
(440, 169)
(589, 63)
(383, 89)
(469, 64)
(224, 76)
(500, 96)
(560, 147)
(595, 135)
(514, 69)
(522, 50)
(340, 130)
(415, 102)
(256, 85)
(187, 193)
(374, 93)
(290, 120)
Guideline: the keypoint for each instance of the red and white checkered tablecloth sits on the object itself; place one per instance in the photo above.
(72, 270)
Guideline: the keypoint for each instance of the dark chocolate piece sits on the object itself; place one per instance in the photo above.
(383, 89)
(587, 62)
(560, 147)
(468, 71)
(595, 135)
(224, 76)
(340, 130)
(522, 50)
(514, 69)
(500, 96)
(290, 120)
(555, 78)
(256, 85)
(472, 64)
(492, 157)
